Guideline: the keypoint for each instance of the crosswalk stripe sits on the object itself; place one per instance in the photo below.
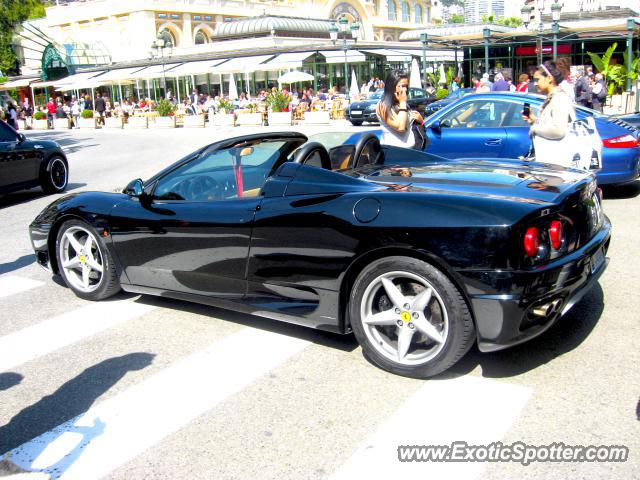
(45, 337)
(12, 284)
(120, 428)
(469, 409)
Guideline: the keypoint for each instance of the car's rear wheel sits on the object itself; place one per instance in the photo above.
(409, 318)
(356, 123)
(55, 177)
(85, 262)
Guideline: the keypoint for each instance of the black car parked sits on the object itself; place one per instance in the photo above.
(365, 110)
(28, 163)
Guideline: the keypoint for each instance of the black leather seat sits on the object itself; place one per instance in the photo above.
(314, 154)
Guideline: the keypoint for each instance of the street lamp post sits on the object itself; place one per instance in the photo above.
(631, 25)
(424, 39)
(486, 33)
(526, 19)
(158, 47)
(344, 28)
(555, 26)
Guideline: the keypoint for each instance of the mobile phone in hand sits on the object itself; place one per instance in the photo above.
(526, 111)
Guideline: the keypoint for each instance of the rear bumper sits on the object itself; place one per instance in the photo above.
(504, 318)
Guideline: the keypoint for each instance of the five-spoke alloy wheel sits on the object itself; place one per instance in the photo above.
(409, 318)
(55, 177)
(85, 262)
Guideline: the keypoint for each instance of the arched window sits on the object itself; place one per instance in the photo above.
(201, 38)
(392, 9)
(406, 15)
(418, 12)
(376, 7)
(168, 38)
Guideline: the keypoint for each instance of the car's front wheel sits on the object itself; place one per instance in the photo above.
(85, 262)
(409, 318)
(55, 177)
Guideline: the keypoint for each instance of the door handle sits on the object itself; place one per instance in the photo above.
(494, 141)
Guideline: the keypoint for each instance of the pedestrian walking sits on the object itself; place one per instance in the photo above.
(550, 127)
(599, 92)
(582, 90)
(393, 112)
(100, 108)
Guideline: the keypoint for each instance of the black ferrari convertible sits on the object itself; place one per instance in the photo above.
(418, 256)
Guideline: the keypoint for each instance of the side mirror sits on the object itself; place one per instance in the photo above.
(436, 126)
(21, 138)
(135, 188)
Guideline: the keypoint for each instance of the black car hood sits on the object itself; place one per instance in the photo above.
(362, 105)
(527, 183)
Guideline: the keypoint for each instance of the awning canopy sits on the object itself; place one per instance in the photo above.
(391, 55)
(17, 83)
(435, 55)
(119, 74)
(155, 71)
(242, 64)
(286, 61)
(337, 56)
(79, 80)
(44, 84)
(197, 68)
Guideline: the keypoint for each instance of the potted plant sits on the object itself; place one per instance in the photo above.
(40, 121)
(249, 116)
(87, 119)
(225, 116)
(61, 123)
(278, 103)
(166, 118)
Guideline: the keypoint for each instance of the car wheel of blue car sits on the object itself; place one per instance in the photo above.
(409, 318)
(85, 262)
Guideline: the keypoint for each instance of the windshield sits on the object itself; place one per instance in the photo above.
(375, 96)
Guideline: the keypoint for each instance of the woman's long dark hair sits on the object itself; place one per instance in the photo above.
(389, 97)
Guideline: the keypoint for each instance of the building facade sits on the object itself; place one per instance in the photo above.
(475, 10)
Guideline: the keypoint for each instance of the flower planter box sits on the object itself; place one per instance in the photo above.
(113, 122)
(165, 122)
(193, 121)
(279, 118)
(316, 118)
(249, 119)
(223, 120)
(40, 125)
(61, 124)
(87, 123)
(137, 122)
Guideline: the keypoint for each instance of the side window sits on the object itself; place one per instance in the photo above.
(221, 174)
(6, 134)
(416, 93)
(514, 116)
(477, 114)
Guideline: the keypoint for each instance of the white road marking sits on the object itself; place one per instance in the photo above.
(117, 430)
(12, 284)
(33, 342)
(470, 409)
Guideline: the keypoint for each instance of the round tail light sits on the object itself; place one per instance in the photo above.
(556, 234)
(532, 242)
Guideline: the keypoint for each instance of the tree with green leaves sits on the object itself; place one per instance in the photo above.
(12, 14)
(615, 75)
(456, 19)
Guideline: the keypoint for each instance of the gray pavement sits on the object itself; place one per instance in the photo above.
(142, 396)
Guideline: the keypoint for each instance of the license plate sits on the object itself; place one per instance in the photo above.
(597, 259)
(356, 112)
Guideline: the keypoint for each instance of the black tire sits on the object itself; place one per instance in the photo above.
(55, 177)
(98, 285)
(445, 309)
(356, 123)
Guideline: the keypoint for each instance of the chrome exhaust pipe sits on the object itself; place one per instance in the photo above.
(543, 310)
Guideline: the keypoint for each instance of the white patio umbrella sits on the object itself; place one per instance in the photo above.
(443, 76)
(354, 91)
(233, 90)
(295, 76)
(414, 78)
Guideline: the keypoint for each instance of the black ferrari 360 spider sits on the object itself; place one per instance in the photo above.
(418, 256)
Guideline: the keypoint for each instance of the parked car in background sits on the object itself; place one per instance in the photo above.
(365, 110)
(490, 125)
(26, 163)
(420, 257)
(452, 97)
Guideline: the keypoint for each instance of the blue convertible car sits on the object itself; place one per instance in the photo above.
(490, 125)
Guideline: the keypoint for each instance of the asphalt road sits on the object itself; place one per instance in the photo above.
(144, 387)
